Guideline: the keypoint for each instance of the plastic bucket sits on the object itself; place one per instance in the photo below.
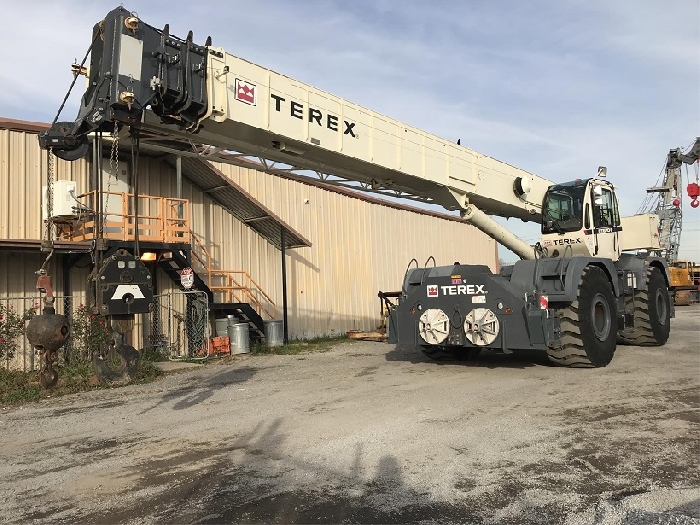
(274, 333)
(221, 327)
(240, 343)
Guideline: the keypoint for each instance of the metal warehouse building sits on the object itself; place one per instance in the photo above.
(229, 223)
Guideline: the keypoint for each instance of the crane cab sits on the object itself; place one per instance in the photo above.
(581, 218)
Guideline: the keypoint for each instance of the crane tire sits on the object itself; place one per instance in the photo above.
(652, 313)
(588, 325)
(682, 298)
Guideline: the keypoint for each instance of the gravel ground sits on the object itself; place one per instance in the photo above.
(369, 433)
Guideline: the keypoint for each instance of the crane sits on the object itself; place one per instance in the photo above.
(573, 294)
(667, 202)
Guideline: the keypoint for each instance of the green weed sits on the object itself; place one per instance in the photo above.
(300, 346)
(19, 387)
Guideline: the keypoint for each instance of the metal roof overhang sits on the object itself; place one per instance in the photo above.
(206, 178)
(238, 202)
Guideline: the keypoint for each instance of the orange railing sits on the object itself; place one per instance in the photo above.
(160, 219)
(234, 285)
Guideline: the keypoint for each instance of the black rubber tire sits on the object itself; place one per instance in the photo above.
(652, 313)
(588, 325)
(456, 353)
(682, 298)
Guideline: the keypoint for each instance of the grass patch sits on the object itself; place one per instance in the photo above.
(320, 344)
(20, 387)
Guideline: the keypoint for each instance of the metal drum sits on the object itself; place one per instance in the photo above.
(240, 342)
(274, 333)
(230, 329)
(221, 327)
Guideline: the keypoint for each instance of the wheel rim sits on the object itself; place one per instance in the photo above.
(600, 317)
(661, 307)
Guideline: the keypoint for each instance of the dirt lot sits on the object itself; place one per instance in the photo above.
(369, 433)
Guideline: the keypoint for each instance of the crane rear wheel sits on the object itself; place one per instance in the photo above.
(652, 313)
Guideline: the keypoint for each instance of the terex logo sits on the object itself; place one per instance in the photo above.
(432, 290)
(296, 110)
(561, 242)
(245, 91)
(463, 289)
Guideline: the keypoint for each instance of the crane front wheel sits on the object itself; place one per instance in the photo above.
(588, 325)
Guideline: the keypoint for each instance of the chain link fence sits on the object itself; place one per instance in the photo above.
(177, 327)
(15, 351)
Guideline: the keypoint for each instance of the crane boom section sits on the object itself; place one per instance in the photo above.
(187, 97)
(314, 128)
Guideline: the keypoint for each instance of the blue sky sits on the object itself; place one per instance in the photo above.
(556, 88)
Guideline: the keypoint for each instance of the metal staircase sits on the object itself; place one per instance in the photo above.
(237, 292)
(164, 226)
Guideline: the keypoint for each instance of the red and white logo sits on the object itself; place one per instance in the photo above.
(245, 91)
(432, 290)
(187, 278)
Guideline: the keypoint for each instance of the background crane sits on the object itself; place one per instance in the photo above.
(666, 199)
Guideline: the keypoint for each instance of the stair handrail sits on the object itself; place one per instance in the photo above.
(231, 285)
(173, 214)
(204, 261)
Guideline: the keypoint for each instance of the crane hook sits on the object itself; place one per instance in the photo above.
(47, 332)
(694, 193)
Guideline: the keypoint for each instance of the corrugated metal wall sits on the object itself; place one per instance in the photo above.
(23, 168)
(358, 248)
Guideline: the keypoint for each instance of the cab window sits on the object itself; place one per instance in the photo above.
(605, 213)
(562, 209)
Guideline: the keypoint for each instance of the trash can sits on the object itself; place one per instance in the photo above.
(230, 329)
(241, 339)
(221, 326)
(274, 333)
